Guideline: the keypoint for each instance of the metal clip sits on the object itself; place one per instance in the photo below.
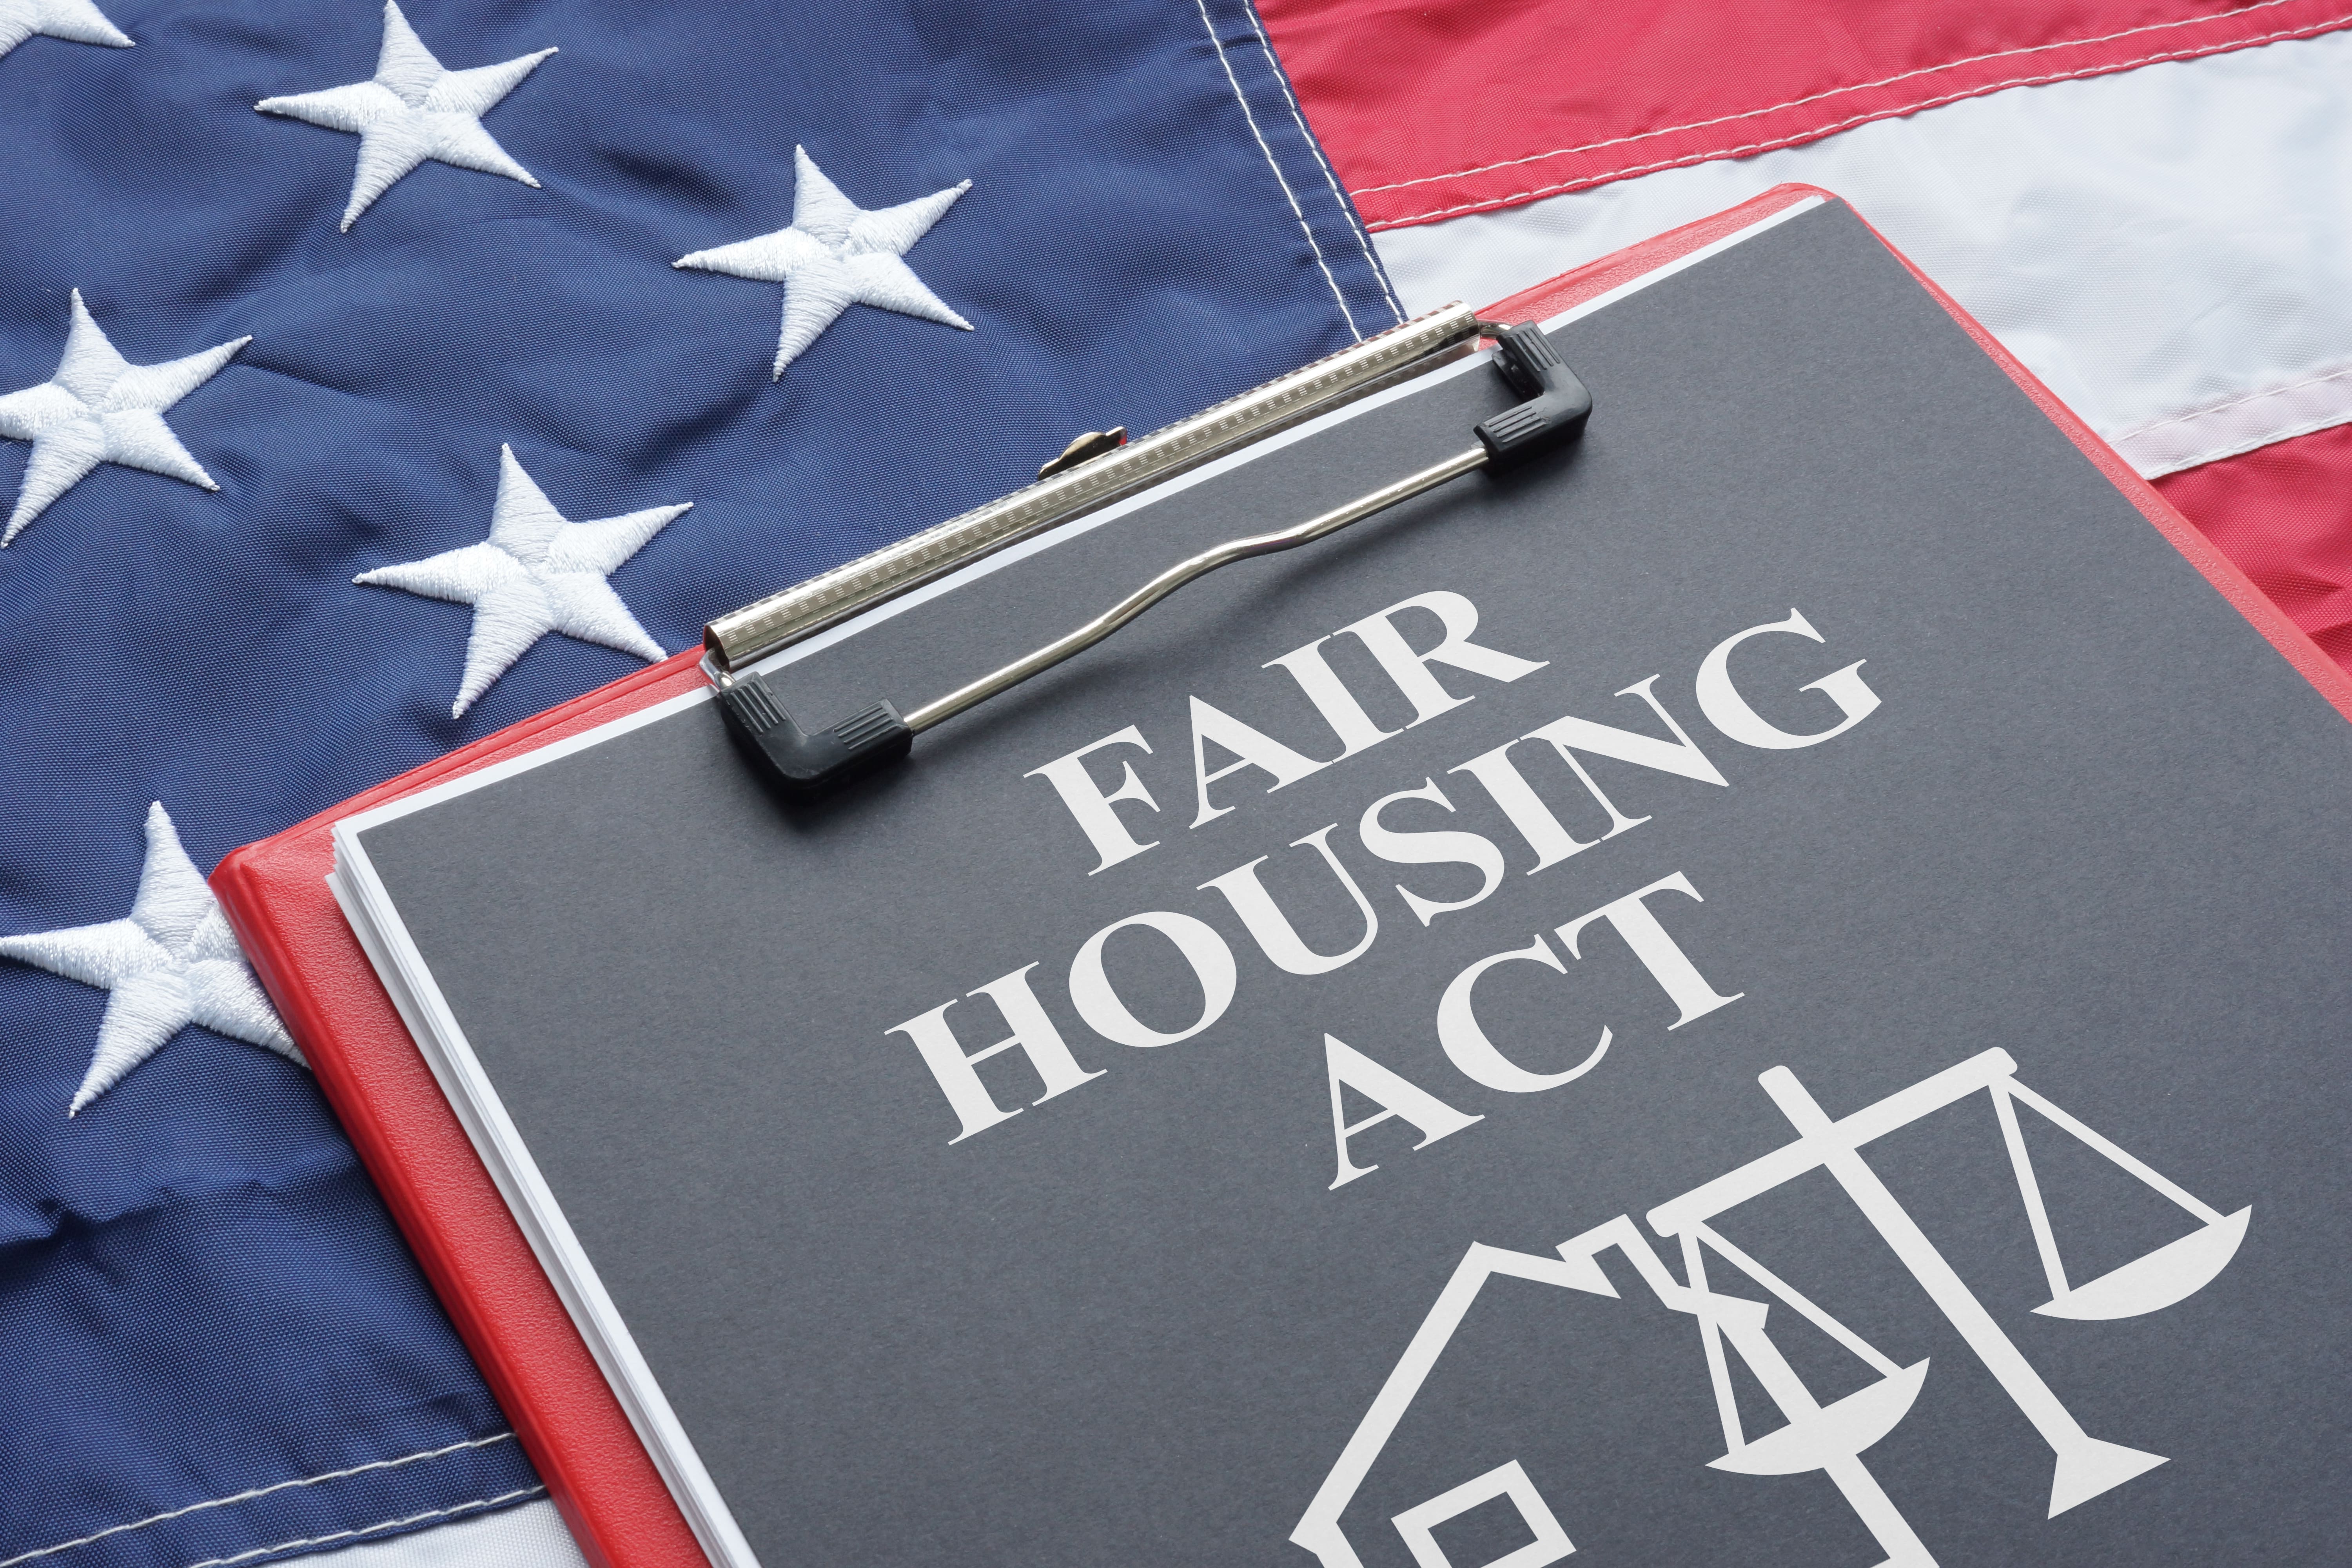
(810, 764)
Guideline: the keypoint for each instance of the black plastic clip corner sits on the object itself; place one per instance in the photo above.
(1556, 402)
(807, 765)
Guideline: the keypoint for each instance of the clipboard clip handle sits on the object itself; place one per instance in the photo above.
(1556, 403)
(807, 763)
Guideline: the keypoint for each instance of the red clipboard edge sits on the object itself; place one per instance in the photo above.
(440, 1194)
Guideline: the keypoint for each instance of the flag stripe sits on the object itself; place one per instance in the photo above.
(2284, 514)
(362, 1533)
(1541, 100)
(2240, 423)
(2148, 242)
(530, 1536)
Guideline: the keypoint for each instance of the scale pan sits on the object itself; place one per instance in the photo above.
(2172, 1272)
(1833, 1432)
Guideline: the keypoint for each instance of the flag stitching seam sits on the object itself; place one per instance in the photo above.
(2255, 443)
(2194, 413)
(1346, 213)
(260, 1492)
(1304, 227)
(1808, 135)
(477, 1506)
(1817, 97)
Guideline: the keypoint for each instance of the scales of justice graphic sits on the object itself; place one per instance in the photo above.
(1830, 1438)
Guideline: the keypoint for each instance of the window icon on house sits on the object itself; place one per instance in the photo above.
(1419, 1524)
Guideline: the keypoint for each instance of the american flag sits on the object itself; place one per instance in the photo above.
(371, 379)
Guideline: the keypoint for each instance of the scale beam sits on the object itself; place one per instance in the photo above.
(1791, 1160)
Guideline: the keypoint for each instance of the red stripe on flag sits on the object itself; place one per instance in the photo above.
(1431, 109)
(2284, 513)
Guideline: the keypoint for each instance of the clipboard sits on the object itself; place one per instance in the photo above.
(477, 1258)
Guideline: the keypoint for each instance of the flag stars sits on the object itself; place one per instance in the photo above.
(836, 254)
(100, 408)
(414, 110)
(76, 21)
(173, 962)
(537, 572)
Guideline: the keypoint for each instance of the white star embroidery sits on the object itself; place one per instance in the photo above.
(76, 21)
(537, 572)
(172, 964)
(835, 255)
(101, 408)
(413, 111)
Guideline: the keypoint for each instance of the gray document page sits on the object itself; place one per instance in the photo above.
(1770, 990)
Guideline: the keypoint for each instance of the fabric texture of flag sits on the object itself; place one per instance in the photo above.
(2143, 199)
(372, 378)
(375, 375)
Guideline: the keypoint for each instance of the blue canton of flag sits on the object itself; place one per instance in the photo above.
(372, 378)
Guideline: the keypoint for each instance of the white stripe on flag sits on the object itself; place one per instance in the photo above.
(2169, 249)
(2239, 423)
(532, 1536)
